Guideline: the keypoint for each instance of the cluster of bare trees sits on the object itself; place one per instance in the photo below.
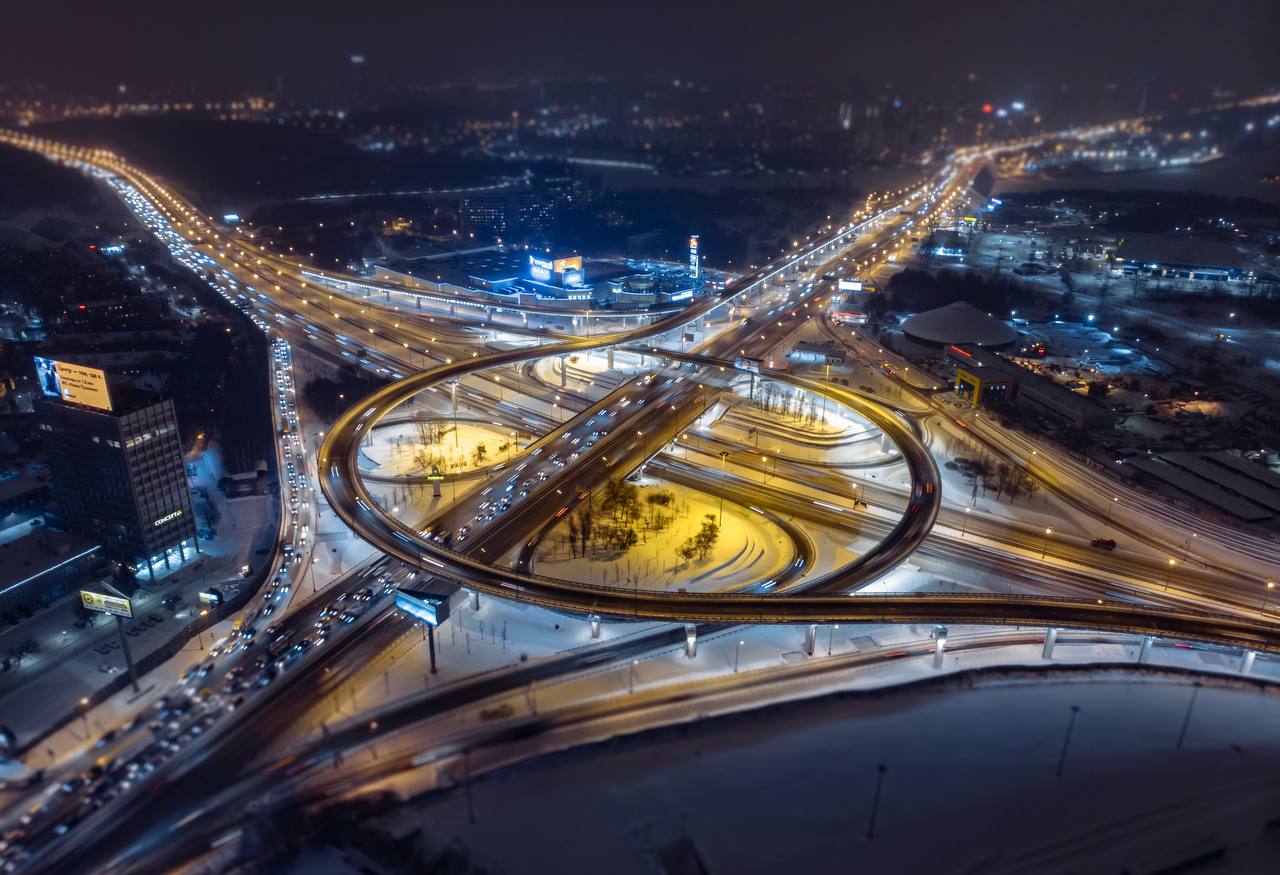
(701, 544)
(613, 521)
(995, 475)
(794, 405)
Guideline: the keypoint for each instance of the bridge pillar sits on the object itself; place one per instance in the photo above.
(690, 640)
(610, 358)
(475, 600)
(810, 637)
(1145, 653)
(595, 626)
(1050, 638)
(1246, 664)
(939, 644)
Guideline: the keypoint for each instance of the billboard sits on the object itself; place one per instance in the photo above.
(849, 285)
(430, 608)
(74, 383)
(106, 604)
(540, 268)
(561, 265)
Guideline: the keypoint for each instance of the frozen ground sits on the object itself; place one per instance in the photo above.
(969, 786)
(393, 450)
(750, 548)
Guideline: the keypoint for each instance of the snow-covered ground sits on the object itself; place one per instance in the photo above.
(750, 548)
(394, 450)
(967, 775)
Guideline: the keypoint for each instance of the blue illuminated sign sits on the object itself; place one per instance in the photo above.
(427, 608)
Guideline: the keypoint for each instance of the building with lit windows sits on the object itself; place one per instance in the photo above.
(118, 477)
(985, 379)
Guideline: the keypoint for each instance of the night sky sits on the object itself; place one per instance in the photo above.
(920, 46)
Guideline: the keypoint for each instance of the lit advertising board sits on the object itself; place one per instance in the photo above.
(849, 285)
(562, 265)
(74, 383)
(573, 277)
(106, 604)
(540, 268)
(427, 607)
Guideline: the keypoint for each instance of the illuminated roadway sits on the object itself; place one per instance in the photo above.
(340, 480)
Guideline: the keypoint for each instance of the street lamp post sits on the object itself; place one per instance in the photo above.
(631, 678)
(965, 525)
(1169, 576)
(831, 634)
(453, 387)
(1111, 507)
(737, 652)
(724, 454)
(1271, 584)
(84, 715)
(1044, 548)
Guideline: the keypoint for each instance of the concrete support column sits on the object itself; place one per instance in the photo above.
(1145, 653)
(610, 355)
(564, 371)
(810, 638)
(939, 644)
(595, 627)
(1050, 638)
(690, 640)
(1246, 664)
(475, 600)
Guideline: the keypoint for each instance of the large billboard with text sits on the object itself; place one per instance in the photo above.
(74, 383)
(106, 604)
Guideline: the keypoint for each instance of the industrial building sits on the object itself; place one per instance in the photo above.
(986, 379)
(1181, 257)
(40, 568)
(816, 352)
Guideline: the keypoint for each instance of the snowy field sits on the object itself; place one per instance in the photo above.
(970, 785)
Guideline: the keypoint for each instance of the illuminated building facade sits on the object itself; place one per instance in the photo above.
(118, 477)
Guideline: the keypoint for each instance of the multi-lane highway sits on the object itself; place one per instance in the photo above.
(275, 672)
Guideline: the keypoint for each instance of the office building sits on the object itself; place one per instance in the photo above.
(118, 477)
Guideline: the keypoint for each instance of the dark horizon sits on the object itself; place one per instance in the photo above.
(921, 48)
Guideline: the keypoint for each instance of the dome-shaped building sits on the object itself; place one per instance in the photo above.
(958, 323)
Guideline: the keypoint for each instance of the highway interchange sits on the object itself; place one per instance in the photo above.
(237, 703)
